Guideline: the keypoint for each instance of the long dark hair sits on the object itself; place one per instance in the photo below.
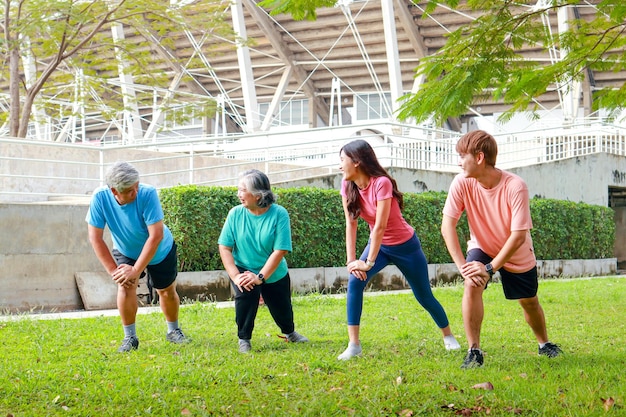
(360, 151)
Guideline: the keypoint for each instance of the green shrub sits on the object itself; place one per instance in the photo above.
(567, 230)
(195, 214)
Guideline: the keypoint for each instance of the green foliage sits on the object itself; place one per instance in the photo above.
(423, 212)
(75, 55)
(480, 59)
(195, 214)
(69, 367)
(567, 230)
(299, 9)
(317, 227)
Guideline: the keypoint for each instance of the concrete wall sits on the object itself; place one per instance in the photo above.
(44, 245)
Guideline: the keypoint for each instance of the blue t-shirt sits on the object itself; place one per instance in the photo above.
(253, 238)
(129, 223)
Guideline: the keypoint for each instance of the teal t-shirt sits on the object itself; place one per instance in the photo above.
(128, 224)
(253, 238)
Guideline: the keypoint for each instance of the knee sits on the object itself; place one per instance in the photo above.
(168, 293)
(126, 292)
(471, 291)
(530, 304)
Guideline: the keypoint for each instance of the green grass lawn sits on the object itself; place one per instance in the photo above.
(70, 367)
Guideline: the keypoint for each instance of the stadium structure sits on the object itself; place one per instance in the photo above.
(297, 89)
(351, 65)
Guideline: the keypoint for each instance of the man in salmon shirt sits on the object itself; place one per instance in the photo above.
(497, 206)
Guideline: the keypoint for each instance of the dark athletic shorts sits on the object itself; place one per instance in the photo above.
(515, 285)
(162, 274)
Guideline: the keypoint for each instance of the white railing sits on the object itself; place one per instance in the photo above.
(38, 170)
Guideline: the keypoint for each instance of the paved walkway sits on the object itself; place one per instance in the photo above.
(81, 314)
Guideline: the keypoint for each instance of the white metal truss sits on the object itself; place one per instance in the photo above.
(247, 117)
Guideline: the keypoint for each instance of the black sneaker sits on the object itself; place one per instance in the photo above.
(550, 350)
(474, 359)
(177, 336)
(129, 343)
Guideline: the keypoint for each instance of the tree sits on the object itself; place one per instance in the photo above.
(49, 46)
(481, 60)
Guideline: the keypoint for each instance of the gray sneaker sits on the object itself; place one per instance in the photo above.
(296, 337)
(244, 345)
(129, 343)
(177, 336)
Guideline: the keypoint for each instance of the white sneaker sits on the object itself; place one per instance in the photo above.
(451, 343)
(352, 351)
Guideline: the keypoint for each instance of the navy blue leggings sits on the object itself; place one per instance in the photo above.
(411, 261)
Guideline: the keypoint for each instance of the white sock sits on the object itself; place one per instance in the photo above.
(352, 350)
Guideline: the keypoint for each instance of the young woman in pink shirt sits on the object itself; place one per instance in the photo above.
(369, 192)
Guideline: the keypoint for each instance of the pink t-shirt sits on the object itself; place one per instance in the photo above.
(398, 230)
(493, 214)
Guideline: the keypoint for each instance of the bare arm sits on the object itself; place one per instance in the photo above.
(383, 208)
(103, 253)
(155, 236)
(451, 238)
(513, 243)
(359, 268)
(129, 274)
(472, 272)
(247, 279)
(351, 228)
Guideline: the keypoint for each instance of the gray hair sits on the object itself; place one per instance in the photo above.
(257, 184)
(122, 176)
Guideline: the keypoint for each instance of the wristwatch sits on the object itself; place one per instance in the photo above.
(370, 263)
(261, 277)
(489, 269)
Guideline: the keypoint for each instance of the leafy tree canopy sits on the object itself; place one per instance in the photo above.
(481, 60)
(60, 54)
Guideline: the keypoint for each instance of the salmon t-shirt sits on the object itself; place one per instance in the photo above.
(398, 231)
(493, 214)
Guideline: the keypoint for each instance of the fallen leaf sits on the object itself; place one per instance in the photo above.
(608, 403)
(399, 380)
(406, 413)
(335, 389)
(484, 385)
(185, 412)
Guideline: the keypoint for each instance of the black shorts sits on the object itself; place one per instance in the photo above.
(515, 285)
(162, 275)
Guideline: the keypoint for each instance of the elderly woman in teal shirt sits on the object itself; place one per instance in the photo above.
(253, 243)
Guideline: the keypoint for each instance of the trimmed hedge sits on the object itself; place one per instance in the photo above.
(195, 214)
